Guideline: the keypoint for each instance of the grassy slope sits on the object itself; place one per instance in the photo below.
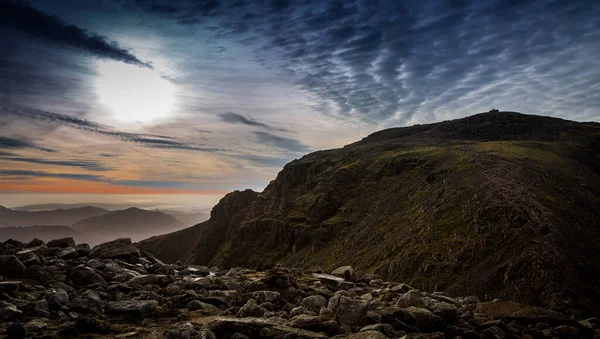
(502, 205)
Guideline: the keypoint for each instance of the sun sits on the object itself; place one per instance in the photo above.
(132, 93)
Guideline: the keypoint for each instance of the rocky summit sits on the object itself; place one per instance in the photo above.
(114, 290)
(498, 204)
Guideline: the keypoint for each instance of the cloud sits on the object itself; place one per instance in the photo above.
(286, 144)
(13, 143)
(146, 140)
(25, 18)
(41, 174)
(234, 118)
(85, 164)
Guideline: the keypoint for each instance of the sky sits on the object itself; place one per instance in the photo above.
(208, 96)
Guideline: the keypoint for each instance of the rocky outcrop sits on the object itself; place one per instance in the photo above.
(499, 204)
(131, 296)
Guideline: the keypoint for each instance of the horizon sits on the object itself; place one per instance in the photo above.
(133, 102)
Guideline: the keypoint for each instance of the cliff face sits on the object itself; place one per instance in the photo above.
(497, 204)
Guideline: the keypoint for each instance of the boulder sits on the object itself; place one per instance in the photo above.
(368, 335)
(348, 311)
(10, 287)
(87, 302)
(57, 298)
(205, 308)
(304, 321)
(137, 308)
(9, 312)
(314, 303)
(445, 310)
(61, 243)
(120, 248)
(35, 325)
(68, 253)
(10, 266)
(83, 276)
(425, 320)
(251, 309)
(411, 298)
(346, 272)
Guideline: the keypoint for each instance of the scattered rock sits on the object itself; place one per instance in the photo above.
(348, 311)
(138, 308)
(61, 243)
(10, 266)
(346, 272)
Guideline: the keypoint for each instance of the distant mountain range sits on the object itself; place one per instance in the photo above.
(134, 223)
(91, 224)
(65, 217)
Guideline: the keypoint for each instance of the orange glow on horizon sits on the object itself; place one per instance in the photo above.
(99, 188)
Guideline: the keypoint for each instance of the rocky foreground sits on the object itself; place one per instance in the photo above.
(61, 289)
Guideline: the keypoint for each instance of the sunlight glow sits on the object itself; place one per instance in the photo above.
(132, 93)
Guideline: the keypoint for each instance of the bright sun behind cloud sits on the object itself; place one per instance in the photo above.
(132, 93)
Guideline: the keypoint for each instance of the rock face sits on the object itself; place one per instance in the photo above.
(138, 296)
(499, 204)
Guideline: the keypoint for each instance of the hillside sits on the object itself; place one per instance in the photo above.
(131, 223)
(14, 218)
(496, 204)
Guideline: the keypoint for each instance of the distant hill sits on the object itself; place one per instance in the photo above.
(55, 206)
(134, 223)
(187, 219)
(44, 233)
(497, 204)
(13, 218)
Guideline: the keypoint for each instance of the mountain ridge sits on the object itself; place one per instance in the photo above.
(502, 204)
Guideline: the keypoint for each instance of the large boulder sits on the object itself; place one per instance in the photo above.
(346, 272)
(9, 312)
(87, 302)
(314, 303)
(119, 248)
(83, 275)
(10, 266)
(348, 311)
(61, 243)
(425, 320)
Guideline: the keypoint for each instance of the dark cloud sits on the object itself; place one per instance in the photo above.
(234, 118)
(85, 164)
(285, 144)
(23, 17)
(19, 143)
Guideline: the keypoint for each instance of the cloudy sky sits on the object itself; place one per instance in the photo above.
(208, 96)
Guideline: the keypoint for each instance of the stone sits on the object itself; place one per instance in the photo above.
(304, 321)
(264, 296)
(386, 329)
(9, 312)
(14, 330)
(68, 253)
(184, 330)
(494, 332)
(119, 248)
(314, 303)
(61, 243)
(35, 243)
(565, 331)
(368, 335)
(300, 310)
(251, 309)
(87, 302)
(411, 298)
(10, 266)
(325, 314)
(28, 257)
(83, 275)
(445, 310)
(348, 311)
(346, 272)
(471, 299)
(57, 298)
(10, 287)
(35, 325)
(425, 320)
(137, 308)
(150, 279)
(206, 308)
